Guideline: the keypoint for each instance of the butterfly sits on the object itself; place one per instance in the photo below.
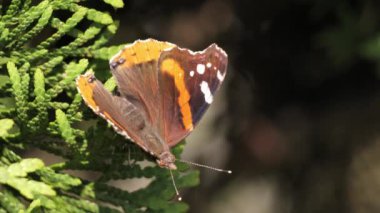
(164, 91)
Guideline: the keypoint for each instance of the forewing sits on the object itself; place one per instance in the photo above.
(135, 71)
(188, 81)
(119, 112)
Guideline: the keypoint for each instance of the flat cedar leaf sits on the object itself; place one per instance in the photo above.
(4, 80)
(112, 28)
(64, 127)
(14, 75)
(7, 105)
(106, 53)
(5, 125)
(99, 17)
(31, 164)
(30, 188)
(3, 60)
(178, 149)
(110, 84)
(4, 34)
(62, 181)
(74, 69)
(115, 3)
(25, 166)
(190, 179)
(159, 204)
(41, 201)
(46, 202)
(73, 20)
(39, 85)
(156, 203)
(177, 207)
(27, 18)
(182, 166)
(42, 22)
(33, 205)
(10, 202)
(7, 102)
(88, 190)
(4, 175)
(168, 193)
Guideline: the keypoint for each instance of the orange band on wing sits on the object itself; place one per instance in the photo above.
(172, 68)
(141, 52)
(86, 89)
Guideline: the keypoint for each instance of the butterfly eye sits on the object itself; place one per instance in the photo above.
(113, 65)
(116, 63)
(121, 61)
(91, 79)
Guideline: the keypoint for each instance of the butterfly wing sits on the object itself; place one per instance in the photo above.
(119, 112)
(135, 71)
(171, 87)
(188, 81)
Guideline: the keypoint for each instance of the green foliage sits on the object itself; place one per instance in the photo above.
(14, 175)
(40, 108)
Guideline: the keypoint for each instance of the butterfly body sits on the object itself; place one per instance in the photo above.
(164, 91)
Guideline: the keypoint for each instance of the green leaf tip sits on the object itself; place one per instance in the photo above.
(41, 201)
(4, 81)
(64, 127)
(99, 17)
(42, 22)
(74, 69)
(58, 180)
(39, 86)
(30, 188)
(115, 3)
(25, 166)
(10, 202)
(5, 126)
(110, 84)
(19, 89)
(14, 76)
(15, 177)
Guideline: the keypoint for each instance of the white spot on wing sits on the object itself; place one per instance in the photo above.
(206, 91)
(220, 75)
(191, 73)
(201, 68)
(208, 65)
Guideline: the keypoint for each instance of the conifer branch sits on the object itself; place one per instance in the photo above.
(40, 108)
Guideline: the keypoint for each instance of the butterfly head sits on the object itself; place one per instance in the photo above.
(166, 160)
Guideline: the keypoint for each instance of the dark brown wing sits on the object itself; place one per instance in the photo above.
(135, 71)
(188, 81)
(125, 118)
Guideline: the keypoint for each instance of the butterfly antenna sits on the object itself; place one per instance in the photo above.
(205, 166)
(175, 187)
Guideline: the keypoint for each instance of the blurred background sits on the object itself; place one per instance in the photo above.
(298, 118)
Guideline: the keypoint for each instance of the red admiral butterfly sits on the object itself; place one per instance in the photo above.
(164, 92)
